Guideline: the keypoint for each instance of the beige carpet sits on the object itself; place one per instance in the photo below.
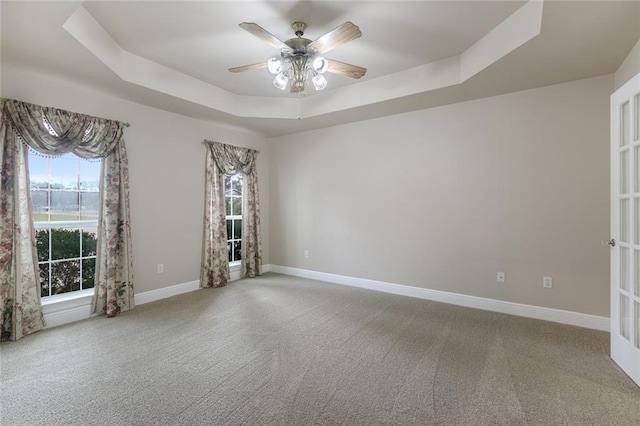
(283, 350)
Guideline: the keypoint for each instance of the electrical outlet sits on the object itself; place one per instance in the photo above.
(160, 268)
(547, 282)
(500, 277)
(306, 253)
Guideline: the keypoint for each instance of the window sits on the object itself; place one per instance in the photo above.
(65, 198)
(233, 202)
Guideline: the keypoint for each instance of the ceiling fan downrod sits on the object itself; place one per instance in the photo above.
(298, 28)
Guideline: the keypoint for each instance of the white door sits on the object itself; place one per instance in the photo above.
(625, 228)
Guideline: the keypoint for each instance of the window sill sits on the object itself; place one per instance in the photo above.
(67, 297)
(66, 308)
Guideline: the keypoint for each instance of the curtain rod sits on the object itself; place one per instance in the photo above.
(204, 142)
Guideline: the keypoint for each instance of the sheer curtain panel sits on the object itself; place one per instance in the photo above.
(229, 160)
(54, 132)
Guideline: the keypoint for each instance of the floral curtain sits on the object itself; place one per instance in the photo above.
(54, 132)
(20, 312)
(229, 160)
(113, 292)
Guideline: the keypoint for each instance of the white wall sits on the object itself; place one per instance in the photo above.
(444, 198)
(166, 166)
(630, 66)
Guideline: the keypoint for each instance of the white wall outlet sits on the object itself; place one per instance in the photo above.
(160, 268)
(547, 282)
(306, 253)
(500, 277)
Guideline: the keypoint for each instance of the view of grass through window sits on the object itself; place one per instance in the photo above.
(65, 198)
(233, 201)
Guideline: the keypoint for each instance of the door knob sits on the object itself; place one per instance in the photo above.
(610, 242)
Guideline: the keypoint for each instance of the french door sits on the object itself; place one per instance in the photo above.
(625, 228)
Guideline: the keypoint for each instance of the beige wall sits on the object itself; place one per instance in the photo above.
(441, 198)
(444, 198)
(166, 166)
(630, 67)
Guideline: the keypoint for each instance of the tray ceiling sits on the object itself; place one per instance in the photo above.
(175, 55)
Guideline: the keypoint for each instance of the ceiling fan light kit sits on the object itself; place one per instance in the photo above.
(301, 59)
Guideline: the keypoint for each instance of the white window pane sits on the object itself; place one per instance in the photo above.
(636, 220)
(38, 170)
(636, 275)
(227, 185)
(624, 268)
(636, 324)
(64, 172)
(89, 242)
(89, 205)
(624, 172)
(624, 220)
(625, 313)
(45, 289)
(636, 169)
(40, 201)
(624, 128)
(89, 174)
(88, 273)
(65, 276)
(65, 205)
(636, 117)
(237, 245)
(236, 206)
(237, 229)
(236, 186)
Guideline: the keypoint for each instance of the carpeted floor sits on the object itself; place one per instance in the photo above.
(284, 350)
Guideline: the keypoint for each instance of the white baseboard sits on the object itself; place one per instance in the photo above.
(164, 292)
(76, 308)
(64, 312)
(512, 308)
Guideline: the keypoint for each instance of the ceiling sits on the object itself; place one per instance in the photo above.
(418, 54)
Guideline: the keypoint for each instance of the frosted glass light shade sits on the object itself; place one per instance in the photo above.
(280, 81)
(320, 64)
(319, 82)
(274, 65)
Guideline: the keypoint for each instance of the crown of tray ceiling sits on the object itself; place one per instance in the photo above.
(175, 55)
(510, 33)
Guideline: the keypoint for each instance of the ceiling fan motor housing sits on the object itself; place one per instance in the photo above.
(298, 45)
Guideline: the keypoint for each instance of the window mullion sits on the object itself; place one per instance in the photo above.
(79, 218)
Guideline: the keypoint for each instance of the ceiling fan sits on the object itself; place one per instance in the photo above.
(300, 58)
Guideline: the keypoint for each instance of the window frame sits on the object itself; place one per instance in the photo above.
(82, 225)
(233, 217)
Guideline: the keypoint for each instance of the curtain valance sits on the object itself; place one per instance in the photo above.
(232, 159)
(54, 132)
